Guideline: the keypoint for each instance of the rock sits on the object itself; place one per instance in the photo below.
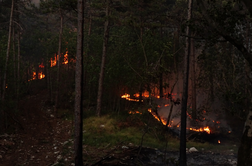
(65, 143)
(192, 149)
(131, 144)
(59, 157)
(55, 164)
(102, 126)
(1, 156)
(125, 147)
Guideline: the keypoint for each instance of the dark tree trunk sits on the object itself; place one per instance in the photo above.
(244, 151)
(18, 66)
(58, 62)
(193, 78)
(2, 113)
(8, 52)
(182, 157)
(78, 127)
(14, 62)
(104, 52)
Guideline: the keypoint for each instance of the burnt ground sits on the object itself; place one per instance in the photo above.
(43, 139)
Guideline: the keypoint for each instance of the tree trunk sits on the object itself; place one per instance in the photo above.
(18, 66)
(14, 62)
(105, 43)
(193, 78)
(244, 151)
(8, 52)
(182, 157)
(58, 62)
(2, 113)
(78, 88)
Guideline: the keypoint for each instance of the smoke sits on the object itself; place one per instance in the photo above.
(36, 2)
(209, 113)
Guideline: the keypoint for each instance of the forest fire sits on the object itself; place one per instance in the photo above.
(163, 120)
(53, 62)
(34, 76)
(65, 61)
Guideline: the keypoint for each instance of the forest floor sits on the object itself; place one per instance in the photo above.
(46, 139)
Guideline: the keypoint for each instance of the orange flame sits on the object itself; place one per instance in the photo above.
(41, 65)
(206, 129)
(163, 121)
(41, 75)
(54, 61)
(127, 97)
(218, 141)
(34, 76)
(65, 58)
(135, 112)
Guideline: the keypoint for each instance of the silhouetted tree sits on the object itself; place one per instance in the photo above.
(78, 87)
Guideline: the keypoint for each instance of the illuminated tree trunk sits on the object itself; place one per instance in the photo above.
(78, 88)
(105, 43)
(58, 62)
(182, 157)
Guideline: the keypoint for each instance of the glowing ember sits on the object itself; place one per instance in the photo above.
(218, 141)
(135, 112)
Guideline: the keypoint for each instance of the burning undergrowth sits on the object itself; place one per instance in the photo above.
(167, 111)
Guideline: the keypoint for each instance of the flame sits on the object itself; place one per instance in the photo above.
(156, 117)
(41, 75)
(163, 121)
(65, 58)
(218, 141)
(54, 61)
(34, 75)
(41, 65)
(135, 112)
(127, 97)
(206, 129)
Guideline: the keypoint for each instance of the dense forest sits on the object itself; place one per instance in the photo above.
(184, 63)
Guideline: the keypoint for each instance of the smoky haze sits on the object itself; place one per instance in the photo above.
(36, 2)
